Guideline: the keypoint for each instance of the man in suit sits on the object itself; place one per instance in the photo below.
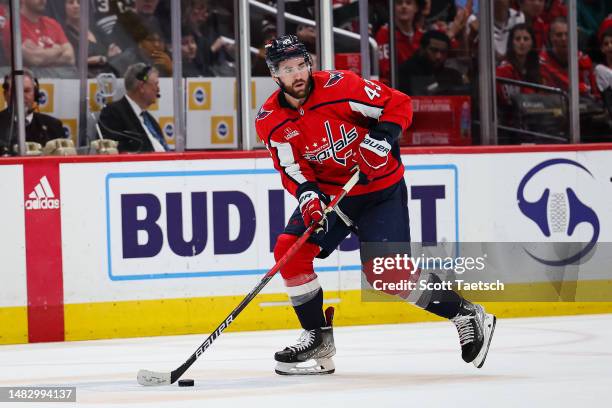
(40, 128)
(127, 120)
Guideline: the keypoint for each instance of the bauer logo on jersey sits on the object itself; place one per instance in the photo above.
(262, 114)
(547, 195)
(334, 78)
(337, 149)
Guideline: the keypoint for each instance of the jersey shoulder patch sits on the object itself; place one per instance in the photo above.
(334, 78)
(263, 113)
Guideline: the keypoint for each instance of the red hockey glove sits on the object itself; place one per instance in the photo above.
(373, 154)
(311, 206)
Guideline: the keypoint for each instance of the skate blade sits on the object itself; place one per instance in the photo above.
(321, 366)
(489, 327)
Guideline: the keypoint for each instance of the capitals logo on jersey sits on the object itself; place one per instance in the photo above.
(262, 114)
(334, 78)
(337, 150)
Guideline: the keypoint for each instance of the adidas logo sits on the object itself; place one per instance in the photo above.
(42, 198)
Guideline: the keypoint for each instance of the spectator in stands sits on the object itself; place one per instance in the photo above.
(145, 9)
(606, 24)
(214, 51)
(554, 61)
(192, 67)
(127, 120)
(104, 15)
(533, 10)
(521, 63)
(504, 18)
(455, 29)
(408, 34)
(603, 71)
(150, 49)
(40, 128)
(425, 73)
(143, 16)
(552, 10)
(98, 52)
(44, 43)
(591, 13)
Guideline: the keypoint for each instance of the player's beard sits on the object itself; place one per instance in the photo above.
(301, 94)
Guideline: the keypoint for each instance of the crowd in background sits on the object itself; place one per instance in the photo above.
(436, 43)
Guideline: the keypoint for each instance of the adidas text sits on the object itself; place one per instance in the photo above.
(42, 204)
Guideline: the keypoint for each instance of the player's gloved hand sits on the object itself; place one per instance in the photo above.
(373, 154)
(312, 207)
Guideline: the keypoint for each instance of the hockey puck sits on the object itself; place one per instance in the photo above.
(186, 383)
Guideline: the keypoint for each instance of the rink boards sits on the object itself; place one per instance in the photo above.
(103, 247)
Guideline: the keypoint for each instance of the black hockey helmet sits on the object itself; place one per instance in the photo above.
(284, 48)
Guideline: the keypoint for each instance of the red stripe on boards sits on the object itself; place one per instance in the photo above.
(43, 251)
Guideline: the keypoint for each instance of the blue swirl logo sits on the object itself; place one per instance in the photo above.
(43, 98)
(562, 212)
(200, 96)
(222, 129)
(169, 130)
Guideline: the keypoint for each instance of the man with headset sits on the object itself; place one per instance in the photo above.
(127, 120)
(39, 127)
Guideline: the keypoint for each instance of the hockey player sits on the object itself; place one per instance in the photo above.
(317, 127)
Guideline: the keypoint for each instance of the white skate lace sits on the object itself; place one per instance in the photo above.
(465, 329)
(306, 339)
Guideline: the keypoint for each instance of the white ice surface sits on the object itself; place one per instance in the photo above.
(537, 362)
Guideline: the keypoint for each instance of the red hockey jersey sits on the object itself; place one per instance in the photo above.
(317, 142)
(506, 91)
(554, 74)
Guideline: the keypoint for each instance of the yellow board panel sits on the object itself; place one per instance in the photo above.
(221, 130)
(266, 312)
(199, 94)
(47, 98)
(2, 101)
(13, 325)
(166, 123)
(70, 126)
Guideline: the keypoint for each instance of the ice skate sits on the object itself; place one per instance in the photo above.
(312, 355)
(475, 328)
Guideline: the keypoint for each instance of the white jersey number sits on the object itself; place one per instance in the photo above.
(372, 90)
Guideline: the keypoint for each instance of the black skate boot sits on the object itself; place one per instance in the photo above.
(475, 329)
(312, 354)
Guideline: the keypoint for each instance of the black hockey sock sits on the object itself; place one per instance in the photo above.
(310, 313)
(444, 303)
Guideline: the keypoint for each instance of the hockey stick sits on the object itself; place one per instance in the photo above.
(146, 377)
